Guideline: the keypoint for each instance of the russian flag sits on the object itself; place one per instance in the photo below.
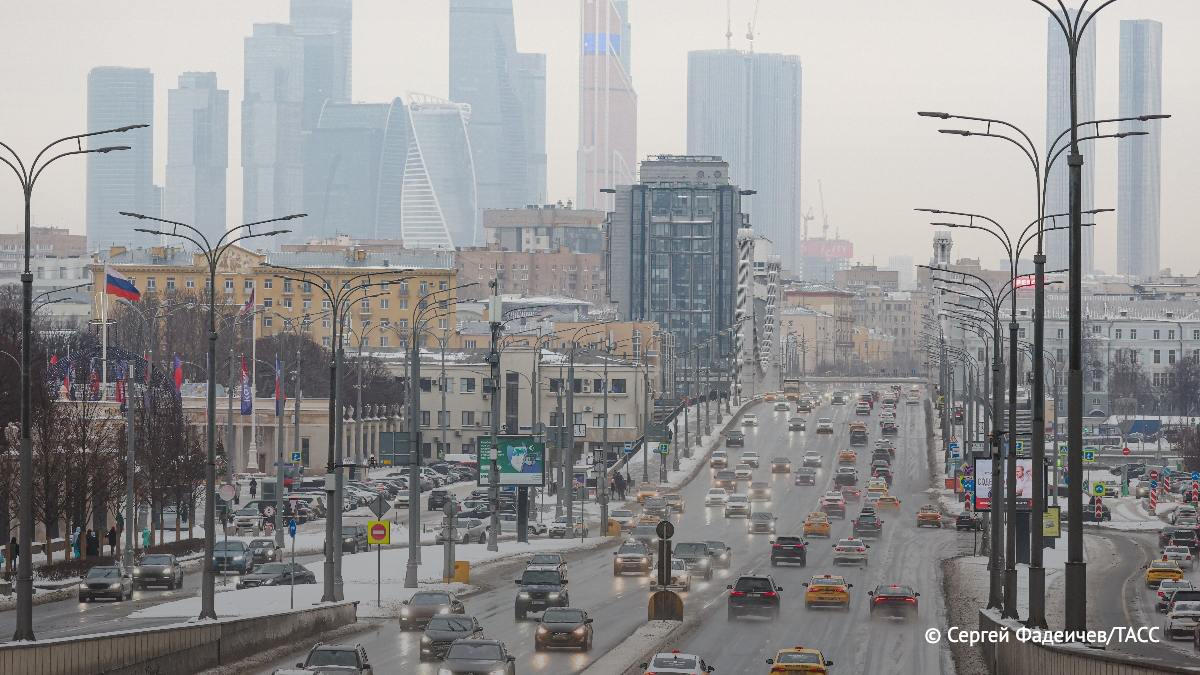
(116, 284)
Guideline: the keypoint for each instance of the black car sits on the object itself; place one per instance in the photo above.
(846, 475)
(325, 658)
(441, 631)
(107, 581)
(697, 556)
(781, 465)
(805, 475)
(417, 611)
(1135, 469)
(721, 554)
(354, 538)
(967, 521)
(277, 574)
(564, 627)
(478, 656)
(796, 424)
(725, 479)
(538, 590)
(753, 594)
(158, 569)
(232, 555)
(735, 439)
(893, 600)
(263, 550)
(1184, 536)
(788, 549)
(437, 499)
(867, 525)
(657, 507)
(633, 556)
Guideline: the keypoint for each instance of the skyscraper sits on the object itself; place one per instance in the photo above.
(327, 29)
(506, 92)
(607, 154)
(120, 181)
(354, 170)
(197, 153)
(1139, 163)
(272, 167)
(745, 108)
(1058, 120)
(439, 205)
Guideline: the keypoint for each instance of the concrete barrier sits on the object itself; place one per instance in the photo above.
(1004, 657)
(175, 649)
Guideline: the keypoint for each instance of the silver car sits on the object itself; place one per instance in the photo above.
(465, 531)
(738, 505)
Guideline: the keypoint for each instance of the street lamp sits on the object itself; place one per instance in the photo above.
(28, 176)
(212, 253)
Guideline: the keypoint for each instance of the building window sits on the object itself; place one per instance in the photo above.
(1195, 334)
(423, 288)
(403, 288)
(470, 344)
(1118, 333)
(229, 285)
(403, 303)
(618, 419)
(618, 387)
(1171, 334)
(485, 418)
(598, 386)
(268, 321)
(443, 285)
(402, 324)
(325, 341)
(191, 283)
(1132, 333)
(1021, 333)
(268, 302)
(1058, 355)
(325, 305)
(268, 283)
(1171, 357)
(1156, 334)
(248, 284)
(383, 303)
(287, 303)
(444, 324)
(577, 418)
(287, 285)
(304, 449)
(170, 283)
(466, 385)
(1095, 329)
(1157, 356)
(424, 418)
(306, 304)
(150, 283)
(468, 418)
(365, 305)
(325, 323)
(1060, 333)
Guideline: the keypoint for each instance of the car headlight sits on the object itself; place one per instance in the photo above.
(444, 610)
(83, 586)
(444, 671)
(168, 570)
(541, 630)
(522, 595)
(552, 596)
(578, 631)
(115, 585)
(404, 612)
(425, 640)
(137, 571)
(237, 558)
(269, 582)
(499, 671)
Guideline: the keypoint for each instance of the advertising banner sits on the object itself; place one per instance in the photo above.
(520, 459)
(983, 484)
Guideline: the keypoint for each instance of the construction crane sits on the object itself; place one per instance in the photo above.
(804, 227)
(751, 25)
(824, 214)
(728, 25)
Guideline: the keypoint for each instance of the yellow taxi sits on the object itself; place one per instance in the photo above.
(929, 516)
(877, 484)
(827, 590)
(847, 457)
(770, 396)
(799, 660)
(648, 520)
(887, 501)
(1160, 570)
(816, 524)
(646, 491)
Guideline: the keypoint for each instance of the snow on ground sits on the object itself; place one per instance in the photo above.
(359, 575)
(633, 648)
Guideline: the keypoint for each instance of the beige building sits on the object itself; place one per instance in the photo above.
(534, 273)
(546, 228)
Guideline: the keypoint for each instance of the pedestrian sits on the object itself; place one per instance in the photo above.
(76, 542)
(237, 497)
(253, 487)
(93, 545)
(10, 557)
(112, 541)
(619, 482)
(371, 462)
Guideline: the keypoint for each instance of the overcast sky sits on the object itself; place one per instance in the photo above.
(868, 66)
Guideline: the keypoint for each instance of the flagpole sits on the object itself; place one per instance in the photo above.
(252, 460)
(104, 341)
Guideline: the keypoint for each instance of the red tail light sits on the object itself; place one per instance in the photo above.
(776, 546)
(737, 594)
(912, 600)
(878, 599)
(769, 594)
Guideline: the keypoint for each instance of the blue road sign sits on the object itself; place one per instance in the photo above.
(969, 484)
(1153, 485)
(628, 447)
(296, 457)
(292, 528)
(1196, 475)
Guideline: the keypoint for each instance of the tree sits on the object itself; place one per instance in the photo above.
(1127, 380)
(1189, 447)
(1183, 390)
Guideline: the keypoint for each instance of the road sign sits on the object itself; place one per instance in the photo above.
(1153, 475)
(968, 484)
(953, 445)
(292, 527)
(1098, 489)
(1126, 451)
(1099, 509)
(297, 457)
(628, 447)
(580, 430)
(1089, 455)
(968, 469)
(1020, 445)
(227, 492)
(663, 449)
(1153, 485)
(1196, 475)
(379, 532)
(379, 506)
(665, 530)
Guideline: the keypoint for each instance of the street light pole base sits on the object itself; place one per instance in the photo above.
(410, 574)
(995, 589)
(1037, 597)
(252, 458)
(1010, 594)
(1075, 585)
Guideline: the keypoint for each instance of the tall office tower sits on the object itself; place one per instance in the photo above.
(506, 91)
(439, 204)
(120, 181)
(904, 265)
(745, 108)
(197, 153)
(272, 164)
(607, 154)
(351, 162)
(326, 26)
(1139, 160)
(1058, 121)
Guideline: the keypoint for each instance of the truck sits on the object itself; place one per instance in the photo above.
(791, 388)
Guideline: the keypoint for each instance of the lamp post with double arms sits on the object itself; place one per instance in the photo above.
(28, 176)
(212, 252)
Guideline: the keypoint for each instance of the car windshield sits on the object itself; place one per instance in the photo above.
(632, 549)
(894, 591)
(753, 585)
(781, 460)
(691, 549)
(620, 513)
(1164, 565)
(248, 511)
(866, 519)
(536, 577)
(545, 559)
(644, 530)
(1189, 606)
(156, 560)
(737, 498)
(451, 623)
(716, 545)
(471, 651)
(762, 515)
(271, 568)
(798, 657)
(674, 662)
(230, 546)
(332, 657)
(430, 599)
(563, 616)
(104, 573)
(1177, 549)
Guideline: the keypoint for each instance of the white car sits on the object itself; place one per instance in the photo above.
(749, 420)
(681, 578)
(738, 505)
(850, 552)
(743, 471)
(624, 518)
(812, 458)
(677, 663)
(1181, 622)
(750, 457)
(716, 497)
(559, 528)
(1179, 554)
(824, 425)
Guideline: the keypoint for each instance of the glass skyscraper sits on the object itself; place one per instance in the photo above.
(327, 30)
(1058, 120)
(746, 108)
(342, 170)
(197, 153)
(120, 181)
(506, 91)
(607, 154)
(439, 204)
(1139, 159)
(272, 165)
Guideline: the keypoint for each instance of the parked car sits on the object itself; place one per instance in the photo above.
(354, 538)
(559, 528)
(247, 519)
(466, 530)
(158, 569)
(437, 499)
(107, 581)
(277, 574)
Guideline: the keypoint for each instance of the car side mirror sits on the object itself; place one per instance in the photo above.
(516, 581)
(587, 620)
(564, 582)
(779, 589)
(870, 592)
(299, 665)
(829, 663)
(849, 585)
(917, 595)
(711, 669)
(805, 584)
(404, 602)
(728, 587)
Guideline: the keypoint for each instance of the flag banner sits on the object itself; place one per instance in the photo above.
(249, 306)
(280, 397)
(117, 284)
(120, 370)
(247, 390)
(177, 376)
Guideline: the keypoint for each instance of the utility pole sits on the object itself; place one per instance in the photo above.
(602, 472)
(415, 449)
(569, 440)
(560, 445)
(279, 415)
(495, 323)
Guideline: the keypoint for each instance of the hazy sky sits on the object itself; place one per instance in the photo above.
(868, 66)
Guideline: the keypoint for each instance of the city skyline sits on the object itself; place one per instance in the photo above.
(1139, 162)
(197, 153)
(115, 95)
(905, 158)
(607, 103)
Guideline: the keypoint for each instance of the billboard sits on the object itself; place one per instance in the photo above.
(521, 460)
(983, 484)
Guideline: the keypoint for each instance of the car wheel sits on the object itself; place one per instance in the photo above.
(730, 615)
(466, 538)
(774, 563)
(587, 647)
(520, 615)
(482, 538)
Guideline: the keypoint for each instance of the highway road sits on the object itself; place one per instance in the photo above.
(618, 604)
